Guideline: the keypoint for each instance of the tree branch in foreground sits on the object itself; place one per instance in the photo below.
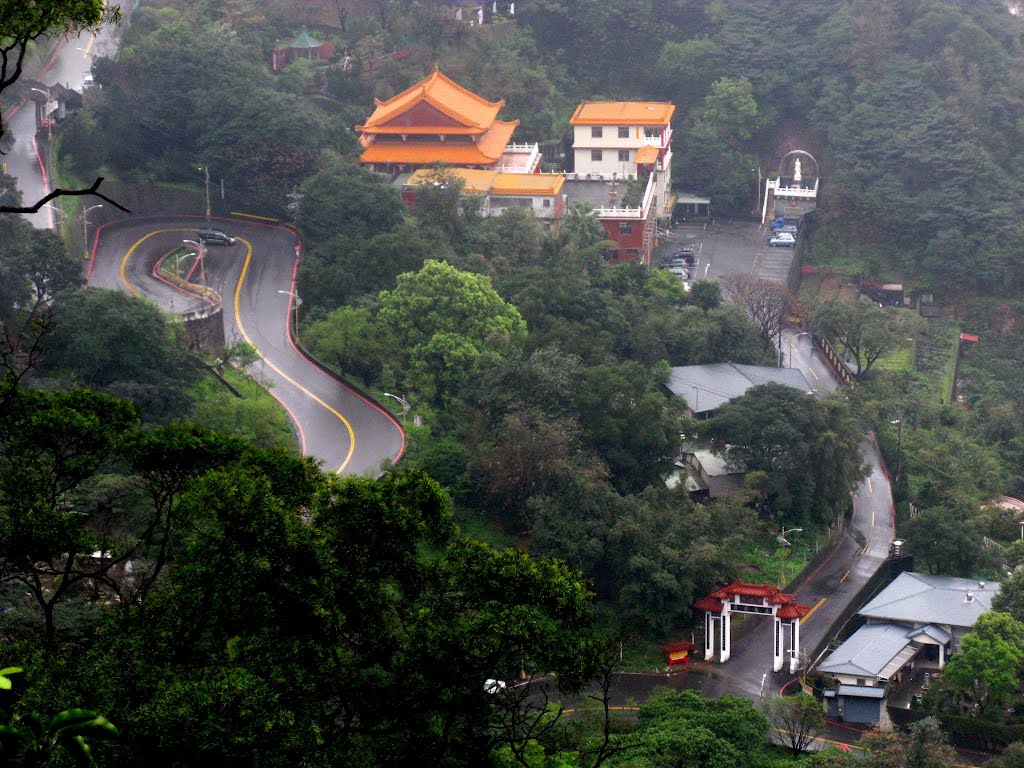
(93, 190)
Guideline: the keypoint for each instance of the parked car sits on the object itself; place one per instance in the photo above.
(783, 239)
(216, 237)
(682, 272)
(685, 257)
(784, 221)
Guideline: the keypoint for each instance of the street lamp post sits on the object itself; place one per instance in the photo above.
(206, 171)
(404, 403)
(758, 169)
(198, 244)
(295, 303)
(85, 226)
(60, 212)
(781, 538)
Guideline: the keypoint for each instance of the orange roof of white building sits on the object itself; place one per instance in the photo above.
(487, 150)
(623, 113)
(647, 154)
(436, 104)
(475, 181)
(528, 184)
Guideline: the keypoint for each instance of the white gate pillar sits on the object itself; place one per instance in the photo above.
(795, 661)
(777, 639)
(709, 636)
(726, 640)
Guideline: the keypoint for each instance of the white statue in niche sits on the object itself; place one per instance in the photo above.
(796, 170)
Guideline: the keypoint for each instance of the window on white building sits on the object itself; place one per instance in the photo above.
(652, 133)
(623, 155)
(595, 155)
(623, 132)
(547, 202)
(596, 132)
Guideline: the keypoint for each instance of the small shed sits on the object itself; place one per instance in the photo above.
(677, 653)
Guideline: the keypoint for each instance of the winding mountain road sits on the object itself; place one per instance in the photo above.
(345, 430)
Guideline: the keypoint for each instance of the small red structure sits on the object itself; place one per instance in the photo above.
(677, 653)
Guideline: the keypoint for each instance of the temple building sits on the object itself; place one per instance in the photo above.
(437, 121)
(540, 193)
(622, 159)
(625, 139)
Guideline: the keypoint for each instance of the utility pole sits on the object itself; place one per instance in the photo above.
(206, 171)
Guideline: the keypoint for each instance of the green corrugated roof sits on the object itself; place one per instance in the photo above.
(304, 40)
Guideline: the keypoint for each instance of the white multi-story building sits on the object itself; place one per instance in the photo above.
(624, 139)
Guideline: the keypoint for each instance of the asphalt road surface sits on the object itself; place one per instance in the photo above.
(68, 66)
(337, 425)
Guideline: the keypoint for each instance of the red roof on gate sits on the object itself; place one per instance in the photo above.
(789, 607)
(709, 604)
(793, 611)
(746, 590)
(969, 337)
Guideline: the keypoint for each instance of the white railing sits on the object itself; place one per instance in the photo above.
(598, 176)
(533, 150)
(621, 212)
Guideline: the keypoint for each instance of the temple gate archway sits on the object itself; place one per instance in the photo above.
(760, 600)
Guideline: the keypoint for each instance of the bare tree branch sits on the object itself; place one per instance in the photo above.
(93, 190)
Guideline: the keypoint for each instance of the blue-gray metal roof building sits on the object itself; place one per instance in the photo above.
(706, 387)
(917, 598)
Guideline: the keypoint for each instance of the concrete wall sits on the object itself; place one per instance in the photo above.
(204, 331)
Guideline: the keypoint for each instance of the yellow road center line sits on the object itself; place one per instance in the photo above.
(238, 320)
(870, 489)
(282, 374)
(817, 605)
(845, 576)
(253, 216)
(128, 255)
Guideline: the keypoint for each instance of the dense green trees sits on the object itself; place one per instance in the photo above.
(948, 539)
(439, 321)
(130, 351)
(305, 619)
(988, 667)
(684, 726)
(194, 94)
(800, 454)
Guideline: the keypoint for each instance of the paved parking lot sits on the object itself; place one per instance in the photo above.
(728, 247)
